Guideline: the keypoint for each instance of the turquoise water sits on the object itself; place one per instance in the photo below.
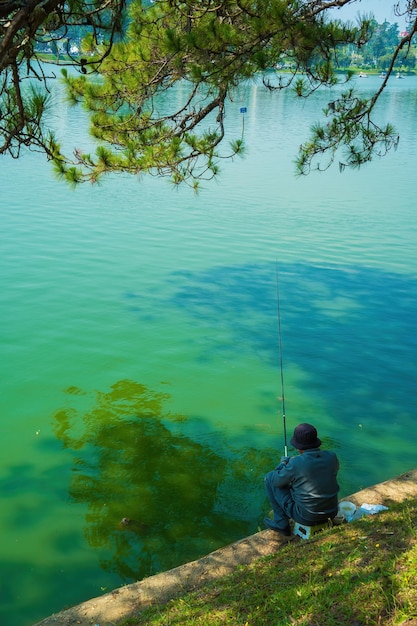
(140, 368)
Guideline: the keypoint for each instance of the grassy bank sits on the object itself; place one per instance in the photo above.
(363, 573)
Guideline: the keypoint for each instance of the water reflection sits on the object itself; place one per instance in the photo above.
(154, 496)
(350, 330)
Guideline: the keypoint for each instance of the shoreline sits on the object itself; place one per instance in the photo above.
(124, 602)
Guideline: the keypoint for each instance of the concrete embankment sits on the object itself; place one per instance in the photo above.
(113, 607)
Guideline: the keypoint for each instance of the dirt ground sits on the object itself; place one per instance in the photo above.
(124, 602)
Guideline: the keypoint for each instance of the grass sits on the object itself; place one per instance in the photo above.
(363, 573)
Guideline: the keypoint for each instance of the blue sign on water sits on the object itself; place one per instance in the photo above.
(243, 109)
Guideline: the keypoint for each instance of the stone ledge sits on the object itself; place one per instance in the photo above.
(111, 608)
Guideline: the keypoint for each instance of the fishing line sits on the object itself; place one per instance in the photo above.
(281, 362)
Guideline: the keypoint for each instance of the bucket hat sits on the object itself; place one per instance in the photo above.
(305, 437)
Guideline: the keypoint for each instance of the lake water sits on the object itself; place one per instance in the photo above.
(140, 371)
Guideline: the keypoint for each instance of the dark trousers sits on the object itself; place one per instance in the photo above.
(281, 502)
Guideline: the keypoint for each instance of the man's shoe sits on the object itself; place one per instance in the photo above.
(286, 531)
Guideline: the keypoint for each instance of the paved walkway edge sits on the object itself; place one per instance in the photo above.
(110, 609)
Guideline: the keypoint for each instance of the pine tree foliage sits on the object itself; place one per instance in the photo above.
(24, 95)
(158, 79)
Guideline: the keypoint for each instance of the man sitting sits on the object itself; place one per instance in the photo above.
(303, 488)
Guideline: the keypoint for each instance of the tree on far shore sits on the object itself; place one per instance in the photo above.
(129, 57)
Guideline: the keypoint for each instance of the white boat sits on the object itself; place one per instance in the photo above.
(363, 75)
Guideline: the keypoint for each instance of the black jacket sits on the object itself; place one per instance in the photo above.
(311, 476)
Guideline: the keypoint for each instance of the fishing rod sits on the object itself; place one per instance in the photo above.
(281, 363)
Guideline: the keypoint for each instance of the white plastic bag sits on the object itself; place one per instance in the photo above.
(367, 509)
